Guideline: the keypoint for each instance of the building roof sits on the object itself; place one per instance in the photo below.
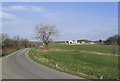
(71, 40)
(82, 40)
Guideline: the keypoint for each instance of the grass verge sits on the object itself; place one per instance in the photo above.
(90, 66)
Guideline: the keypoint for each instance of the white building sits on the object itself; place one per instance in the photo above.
(71, 42)
(79, 42)
(91, 43)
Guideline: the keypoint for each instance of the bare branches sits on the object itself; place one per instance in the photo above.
(45, 32)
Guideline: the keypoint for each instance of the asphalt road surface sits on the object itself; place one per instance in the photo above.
(19, 66)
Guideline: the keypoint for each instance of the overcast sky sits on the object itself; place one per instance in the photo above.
(78, 20)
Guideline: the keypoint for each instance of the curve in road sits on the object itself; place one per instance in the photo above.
(20, 66)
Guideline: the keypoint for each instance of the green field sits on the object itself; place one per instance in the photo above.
(91, 66)
(94, 48)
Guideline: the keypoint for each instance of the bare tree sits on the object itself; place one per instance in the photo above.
(45, 33)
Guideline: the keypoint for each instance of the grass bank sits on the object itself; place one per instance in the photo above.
(91, 66)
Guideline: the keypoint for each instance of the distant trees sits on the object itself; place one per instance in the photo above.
(113, 40)
(100, 41)
(10, 44)
(45, 32)
(16, 42)
(25, 42)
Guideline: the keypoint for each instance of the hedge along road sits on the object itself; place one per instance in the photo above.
(19, 66)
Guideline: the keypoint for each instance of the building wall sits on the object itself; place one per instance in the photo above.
(71, 42)
(79, 42)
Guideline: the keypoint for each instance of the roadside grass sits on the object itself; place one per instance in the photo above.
(91, 48)
(90, 66)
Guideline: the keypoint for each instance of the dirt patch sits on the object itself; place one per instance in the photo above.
(60, 50)
(47, 50)
(94, 52)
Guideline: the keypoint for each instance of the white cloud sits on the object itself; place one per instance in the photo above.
(7, 16)
(18, 8)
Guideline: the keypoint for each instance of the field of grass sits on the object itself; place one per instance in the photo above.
(91, 66)
(93, 48)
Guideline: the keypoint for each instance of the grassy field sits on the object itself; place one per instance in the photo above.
(91, 66)
(95, 48)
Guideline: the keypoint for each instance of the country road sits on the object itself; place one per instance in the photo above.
(20, 66)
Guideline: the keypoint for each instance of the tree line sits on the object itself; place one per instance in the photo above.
(43, 32)
(12, 44)
(113, 40)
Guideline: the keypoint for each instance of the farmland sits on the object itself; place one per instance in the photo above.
(95, 48)
(83, 64)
